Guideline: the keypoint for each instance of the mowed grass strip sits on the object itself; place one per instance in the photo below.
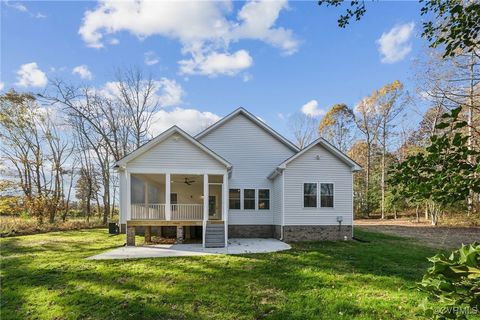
(46, 276)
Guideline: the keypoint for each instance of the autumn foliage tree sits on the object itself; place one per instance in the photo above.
(337, 126)
(445, 173)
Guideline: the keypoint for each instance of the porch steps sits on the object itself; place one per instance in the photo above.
(215, 235)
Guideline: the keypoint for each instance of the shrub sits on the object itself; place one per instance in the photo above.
(14, 226)
(454, 283)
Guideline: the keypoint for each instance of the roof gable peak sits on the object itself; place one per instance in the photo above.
(257, 121)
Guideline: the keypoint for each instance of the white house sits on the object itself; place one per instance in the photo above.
(237, 178)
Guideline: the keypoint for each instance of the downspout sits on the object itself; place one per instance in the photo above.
(283, 204)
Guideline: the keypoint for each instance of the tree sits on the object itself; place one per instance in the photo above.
(390, 104)
(134, 94)
(85, 190)
(109, 123)
(444, 173)
(427, 127)
(337, 126)
(368, 122)
(304, 128)
(453, 82)
(455, 23)
(38, 152)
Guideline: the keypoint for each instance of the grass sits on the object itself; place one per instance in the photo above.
(46, 276)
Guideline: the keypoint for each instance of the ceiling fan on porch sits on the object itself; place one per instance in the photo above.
(187, 181)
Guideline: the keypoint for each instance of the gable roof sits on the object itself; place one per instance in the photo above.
(255, 120)
(162, 137)
(324, 143)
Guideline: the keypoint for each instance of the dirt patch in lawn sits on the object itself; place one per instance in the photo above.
(437, 237)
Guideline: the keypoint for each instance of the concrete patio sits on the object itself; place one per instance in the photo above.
(235, 246)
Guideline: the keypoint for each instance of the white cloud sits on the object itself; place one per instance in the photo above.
(257, 20)
(114, 41)
(186, 21)
(217, 63)
(205, 39)
(167, 92)
(190, 120)
(150, 58)
(311, 109)
(17, 6)
(22, 8)
(83, 72)
(395, 44)
(247, 77)
(2, 85)
(29, 75)
(170, 92)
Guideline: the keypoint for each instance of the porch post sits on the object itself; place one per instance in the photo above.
(168, 207)
(205, 197)
(205, 206)
(225, 202)
(129, 197)
(147, 209)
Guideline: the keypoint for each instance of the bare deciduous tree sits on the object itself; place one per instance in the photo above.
(304, 129)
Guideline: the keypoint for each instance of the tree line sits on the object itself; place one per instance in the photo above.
(62, 145)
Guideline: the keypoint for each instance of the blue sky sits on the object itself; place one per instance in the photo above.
(270, 65)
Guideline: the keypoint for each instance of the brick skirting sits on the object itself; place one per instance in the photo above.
(311, 233)
(250, 231)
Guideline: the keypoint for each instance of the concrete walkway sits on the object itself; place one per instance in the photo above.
(235, 246)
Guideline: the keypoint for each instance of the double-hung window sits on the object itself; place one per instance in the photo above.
(234, 199)
(263, 199)
(310, 195)
(249, 199)
(326, 195)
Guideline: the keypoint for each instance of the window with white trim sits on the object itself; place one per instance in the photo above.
(263, 199)
(248, 199)
(326, 195)
(309, 195)
(234, 199)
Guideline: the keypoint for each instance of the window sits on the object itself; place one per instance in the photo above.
(263, 199)
(326, 195)
(234, 199)
(173, 198)
(310, 195)
(249, 199)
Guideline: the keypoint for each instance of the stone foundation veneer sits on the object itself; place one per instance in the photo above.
(130, 236)
(312, 233)
(180, 234)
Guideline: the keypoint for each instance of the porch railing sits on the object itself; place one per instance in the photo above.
(151, 211)
(156, 211)
(187, 211)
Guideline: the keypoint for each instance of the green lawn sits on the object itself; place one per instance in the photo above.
(46, 276)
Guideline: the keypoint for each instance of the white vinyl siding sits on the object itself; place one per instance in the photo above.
(175, 152)
(276, 200)
(326, 169)
(253, 153)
